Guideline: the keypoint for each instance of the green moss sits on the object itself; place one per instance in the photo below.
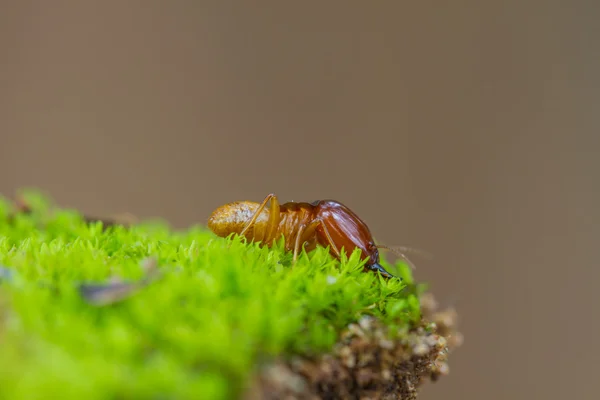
(220, 307)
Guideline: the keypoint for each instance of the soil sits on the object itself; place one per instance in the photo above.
(364, 364)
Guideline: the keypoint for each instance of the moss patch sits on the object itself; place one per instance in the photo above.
(219, 310)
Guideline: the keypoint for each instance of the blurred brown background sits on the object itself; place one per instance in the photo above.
(465, 129)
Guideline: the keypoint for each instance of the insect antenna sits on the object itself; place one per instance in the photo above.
(401, 251)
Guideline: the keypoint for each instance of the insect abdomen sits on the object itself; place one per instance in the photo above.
(233, 217)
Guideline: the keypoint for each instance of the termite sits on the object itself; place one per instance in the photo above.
(322, 222)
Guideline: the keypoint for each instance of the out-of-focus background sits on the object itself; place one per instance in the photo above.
(466, 129)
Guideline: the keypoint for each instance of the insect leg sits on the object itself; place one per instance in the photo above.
(273, 223)
(328, 237)
(298, 243)
(304, 235)
(310, 230)
(256, 214)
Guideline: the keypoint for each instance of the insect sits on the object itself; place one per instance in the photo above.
(322, 222)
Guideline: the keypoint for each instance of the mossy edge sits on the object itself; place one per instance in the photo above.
(303, 314)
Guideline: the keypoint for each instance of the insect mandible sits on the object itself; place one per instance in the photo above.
(322, 222)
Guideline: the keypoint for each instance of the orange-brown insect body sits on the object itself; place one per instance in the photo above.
(323, 222)
(234, 217)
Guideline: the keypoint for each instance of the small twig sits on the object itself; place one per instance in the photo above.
(115, 291)
(102, 295)
(105, 293)
(7, 274)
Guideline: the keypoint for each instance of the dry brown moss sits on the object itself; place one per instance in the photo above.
(365, 364)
